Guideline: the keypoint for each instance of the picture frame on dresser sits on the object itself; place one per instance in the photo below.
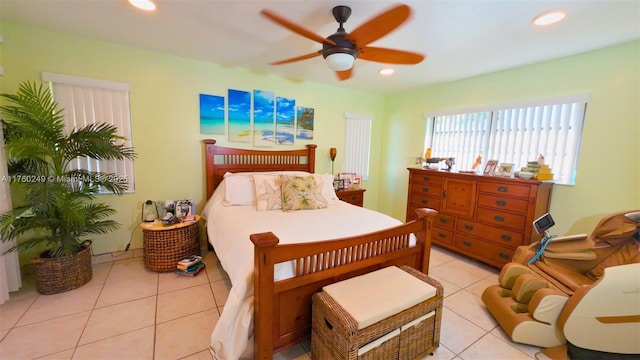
(338, 184)
(505, 169)
(490, 167)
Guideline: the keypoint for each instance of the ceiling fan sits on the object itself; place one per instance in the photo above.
(341, 49)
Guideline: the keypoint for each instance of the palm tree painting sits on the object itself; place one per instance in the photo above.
(304, 123)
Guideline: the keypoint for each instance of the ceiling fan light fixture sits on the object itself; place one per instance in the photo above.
(146, 5)
(340, 61)
(549, 18)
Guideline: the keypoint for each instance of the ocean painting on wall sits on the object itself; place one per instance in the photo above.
(264, 125)
(304, 123)
(285, 120)
(239, 115)
(211, 114)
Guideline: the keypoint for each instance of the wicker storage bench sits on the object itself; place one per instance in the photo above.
(391, 313)
(164, 246)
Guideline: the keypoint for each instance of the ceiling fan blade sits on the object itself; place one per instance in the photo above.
(295, 27)
(344, 75)
(380, 25)
(297, 58)
(390, 56)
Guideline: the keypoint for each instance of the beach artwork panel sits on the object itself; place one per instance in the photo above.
(285, 120)
(264, 120)
(239, 115)
(211, 114)
(304, 123)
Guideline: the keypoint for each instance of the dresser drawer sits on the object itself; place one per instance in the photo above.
(498, 235)
(504, 189)
(442, 236)
(426, 178)
(503, 203)
(427, 190)
(493, 254)
(444, 221)
(422, 201)
(501, 218)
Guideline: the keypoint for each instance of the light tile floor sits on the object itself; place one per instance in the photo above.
(128, 312)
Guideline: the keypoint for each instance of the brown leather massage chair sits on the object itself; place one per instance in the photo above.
(580, 290)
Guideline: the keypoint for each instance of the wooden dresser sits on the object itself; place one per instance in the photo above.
(484, 217)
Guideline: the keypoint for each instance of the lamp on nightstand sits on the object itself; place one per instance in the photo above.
(332, 154)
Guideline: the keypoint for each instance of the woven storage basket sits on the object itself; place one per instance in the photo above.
(56, 275)
(335, 333)
(162, 249)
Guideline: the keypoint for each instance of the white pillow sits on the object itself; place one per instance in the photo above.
(325, 185)
(239, 190)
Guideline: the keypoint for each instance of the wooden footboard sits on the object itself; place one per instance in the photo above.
(282, 309)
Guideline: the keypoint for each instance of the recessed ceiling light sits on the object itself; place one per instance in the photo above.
(146, 5)
(549, 18)
(386, 71)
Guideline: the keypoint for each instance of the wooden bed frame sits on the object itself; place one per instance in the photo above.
(282, 309)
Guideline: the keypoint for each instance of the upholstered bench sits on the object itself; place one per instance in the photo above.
(391, 313)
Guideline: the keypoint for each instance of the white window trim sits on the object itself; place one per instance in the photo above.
(125, 165)
(357, 145)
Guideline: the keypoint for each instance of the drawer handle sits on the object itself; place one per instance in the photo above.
(423, 201)
(498, 218)
(425, 189)
(425, 178)
(501, 203)
(505, 237)
(466, 243)
(503, 188)
(503, 255)
(442, 235)
(468, 227)
(443, 220)
(354, 198)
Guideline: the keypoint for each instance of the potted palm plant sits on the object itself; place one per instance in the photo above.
(56, 208)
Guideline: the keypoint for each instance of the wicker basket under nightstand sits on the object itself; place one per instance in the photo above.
(163, 246)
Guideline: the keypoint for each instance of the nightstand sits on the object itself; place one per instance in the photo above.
(352, 196)
(163, 246)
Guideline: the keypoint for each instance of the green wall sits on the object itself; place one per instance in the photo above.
(608, 174)
(164, 112)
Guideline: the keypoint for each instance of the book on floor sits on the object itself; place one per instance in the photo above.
(192, 270)
(184, 264)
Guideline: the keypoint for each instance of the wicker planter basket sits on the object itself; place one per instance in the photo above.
(56, 275)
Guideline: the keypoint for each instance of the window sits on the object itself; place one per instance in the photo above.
(514, 133)
(86, 101)
(357, 142)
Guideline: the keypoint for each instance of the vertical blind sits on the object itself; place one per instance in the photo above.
(89, 101)
(357, 143)
(513, 134)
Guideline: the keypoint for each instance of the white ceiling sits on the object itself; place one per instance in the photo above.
(460, 38)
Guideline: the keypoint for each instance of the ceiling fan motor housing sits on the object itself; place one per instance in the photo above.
(341, 13)
(342, 45)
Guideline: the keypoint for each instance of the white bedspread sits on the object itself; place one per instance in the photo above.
(228, 230)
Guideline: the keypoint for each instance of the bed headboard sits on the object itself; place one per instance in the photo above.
(220, 160)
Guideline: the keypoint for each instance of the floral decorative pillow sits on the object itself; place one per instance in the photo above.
(299, 193)
(268, 194)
